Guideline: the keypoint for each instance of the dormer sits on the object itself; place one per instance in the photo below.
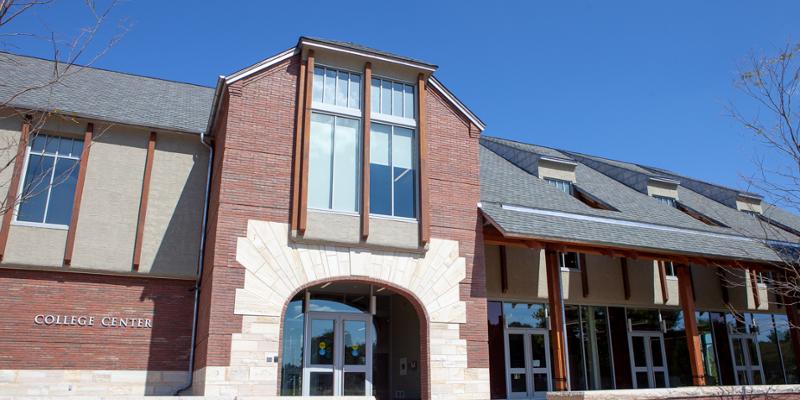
(663, 189)
(749, 203)
(554, 168)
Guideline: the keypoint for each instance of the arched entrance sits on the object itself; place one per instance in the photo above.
(353, 338)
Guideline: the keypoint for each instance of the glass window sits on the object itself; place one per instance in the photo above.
(644, 319)
(767, 340)
(393, 98)
(292, 355)
(783, 334)
(336, 88)
(562, 185)
(392, 171)
(523, 315)
(676, 348)
(666, 200)
(707, 347)
(333, 170)
(51, 176)
(669, 269)
(570, 260)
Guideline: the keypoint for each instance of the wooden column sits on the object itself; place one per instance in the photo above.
(303, 204)
(556, 308)
(754, 287)
(662, 277)
(76, 203)
(13, 185)
(424, 197)
(148, 172)
(298, 146)
(626, 281)
(690, 324)
(367, 92)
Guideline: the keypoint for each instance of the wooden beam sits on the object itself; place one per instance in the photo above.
(662, 276)
(626, 281)
(556, 308)
(13, 185)
(366, 83)
(690, 324)
(754, 288)
(584, 275)
(298, 146)
(422, 132)
(76, 202)
(503, 269)
(148, 172)
(303, 205)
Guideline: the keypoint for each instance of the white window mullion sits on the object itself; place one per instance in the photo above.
(49, 189)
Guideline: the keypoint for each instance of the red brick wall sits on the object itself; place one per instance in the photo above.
(252, 180)
(25, 345)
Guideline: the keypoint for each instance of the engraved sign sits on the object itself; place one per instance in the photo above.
(104, 321)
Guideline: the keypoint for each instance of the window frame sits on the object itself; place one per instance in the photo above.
(666, 200)
(669, 270)
(376, 115)
(414, 160)
(562, 261)
(21, 185)
(336, 109)
(555, 182)
(359, 161)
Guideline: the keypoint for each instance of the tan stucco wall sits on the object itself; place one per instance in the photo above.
(748, 204)
(340, 228)
(527, 282)
(34, 246)
(9, 139)
(175, 206)
(555, 170)
(655, 188)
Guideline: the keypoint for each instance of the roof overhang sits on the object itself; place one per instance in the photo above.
(309, 43)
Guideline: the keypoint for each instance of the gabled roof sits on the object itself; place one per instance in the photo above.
(104, 95)
(368, 50)
(521, 205)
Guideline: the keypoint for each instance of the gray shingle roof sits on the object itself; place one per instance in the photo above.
(105, 95)
(509, 177)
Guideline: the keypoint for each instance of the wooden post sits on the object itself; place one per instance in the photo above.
(626, 281)
(303, 204)
(690, 324)
(298, 146)
(424, 217)
(13, 185)
(556, 307)
(76, 203)
(584, 274)
(148, 172)
(365, 135)
(503, 269)
(754, 287)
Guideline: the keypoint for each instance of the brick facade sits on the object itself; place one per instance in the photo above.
(26, 345)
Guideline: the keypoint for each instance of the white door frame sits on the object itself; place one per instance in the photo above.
(338, 368)
(649, 368)
(748, 367)
(529, 370)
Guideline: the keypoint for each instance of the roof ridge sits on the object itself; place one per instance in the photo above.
(107, 70)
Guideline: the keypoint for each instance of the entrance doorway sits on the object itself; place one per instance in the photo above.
(527, 363)
(648, 359)
(746, 359)
(338, 361)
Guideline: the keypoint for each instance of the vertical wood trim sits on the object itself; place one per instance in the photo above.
(556, 308)
(584, 275)
(723, 275)
(303, 206)
(298, 146)
(76, 203)
(754, 288)
(686, 299)
(424, 199)
(366, 96)
(662, 277)
(13, 186)
(148, 172)
(626, 281)
(503, 269)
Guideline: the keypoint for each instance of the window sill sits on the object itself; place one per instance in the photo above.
(40, 225)
(393, 218)
(326, 211)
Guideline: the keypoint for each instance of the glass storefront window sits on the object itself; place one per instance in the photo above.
(644, 319)
(707, 348)
(590, 364)
(676, 348)
(768, 346)
(523, 315)
(783, 334)
(292, 355)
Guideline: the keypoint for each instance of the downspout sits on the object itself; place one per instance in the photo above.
(201, 255)
(200, 264)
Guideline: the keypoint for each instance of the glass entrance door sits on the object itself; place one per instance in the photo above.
(746, 359)
(648, 359)
(527, 363)
(338, 360)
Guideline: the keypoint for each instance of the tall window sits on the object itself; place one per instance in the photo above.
(392, 171)
(333, 166)
(50, 178)
(562, 185)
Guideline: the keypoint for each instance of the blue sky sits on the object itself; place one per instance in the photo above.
(639, 81)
